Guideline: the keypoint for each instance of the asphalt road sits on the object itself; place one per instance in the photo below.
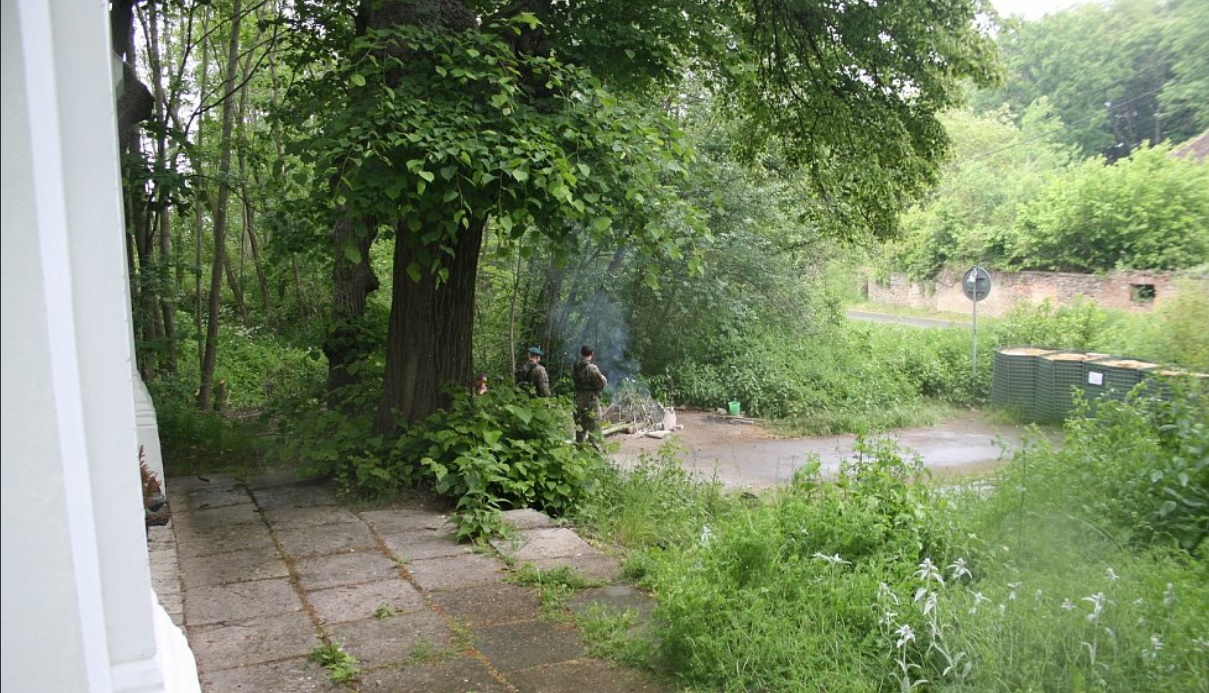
(905, 320)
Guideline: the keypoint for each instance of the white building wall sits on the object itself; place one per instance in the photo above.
(77, 601)
(53, 627)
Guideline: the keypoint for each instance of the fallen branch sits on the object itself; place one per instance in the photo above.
(625, 426)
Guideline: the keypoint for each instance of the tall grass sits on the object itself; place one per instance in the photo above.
(1068, 570)
(851, 377)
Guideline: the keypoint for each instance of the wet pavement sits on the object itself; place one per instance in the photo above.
(260, 574)
(754, 461)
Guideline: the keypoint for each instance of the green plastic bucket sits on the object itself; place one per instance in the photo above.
(733, 408)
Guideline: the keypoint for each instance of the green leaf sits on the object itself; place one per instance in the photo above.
(357, 79)
(352, 254)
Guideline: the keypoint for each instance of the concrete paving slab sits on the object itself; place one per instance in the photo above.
(165, 568)
(423, 544)
(527, 518)
(292, 517)
(289, 676)
(254, 641)
(436, 574)
(240, 601)
(487, 605)
(322, 572)
(190, 482)
(161, 538)
(236, 566)
(586, 676)
(358, 602)
(595, 568)
(197, 521)
(220, 540)
(559, 547)
(214, 496)
(516, 646)
(613, 598)
(462, 675)
(294, 496)
(165, 582)
(394, 641)
(405, 520)
(552, 542)
(174, 605)
(300, 540)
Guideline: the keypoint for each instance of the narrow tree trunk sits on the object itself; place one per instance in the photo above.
(516, 291)
(220, 210)
(429, 341)
(162, 220)
(236, 290)
(262, 279)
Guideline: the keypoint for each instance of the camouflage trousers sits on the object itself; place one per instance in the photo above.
(587, 418)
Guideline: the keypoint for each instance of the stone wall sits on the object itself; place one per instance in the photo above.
(1123, 290)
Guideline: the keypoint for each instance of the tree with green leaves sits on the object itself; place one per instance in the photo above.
(1149, 211)
(997, 167)
(1117, 74)
(556, 124)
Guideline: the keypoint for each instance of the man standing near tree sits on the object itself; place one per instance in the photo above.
(589, 383)
(532, 374)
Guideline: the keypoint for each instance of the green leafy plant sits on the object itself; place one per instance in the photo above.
(498, 451)
(383, 612)
(342, 667)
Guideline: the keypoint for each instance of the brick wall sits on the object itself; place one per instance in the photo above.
(1119, 290)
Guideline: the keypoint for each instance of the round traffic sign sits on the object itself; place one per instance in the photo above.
(976, 283)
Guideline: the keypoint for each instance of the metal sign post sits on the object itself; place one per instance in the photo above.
(976, 283)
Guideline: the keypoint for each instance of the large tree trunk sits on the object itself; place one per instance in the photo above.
(353, 280)
(352, 277)
(428, 344)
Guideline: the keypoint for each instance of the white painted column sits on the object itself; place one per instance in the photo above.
(77, 611)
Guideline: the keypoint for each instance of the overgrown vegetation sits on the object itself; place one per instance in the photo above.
(1076, 569)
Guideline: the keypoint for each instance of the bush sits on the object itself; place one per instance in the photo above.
(1064, 572)
(1079, 326)
(1138, 471)
(501, 450)
(196, 441)
(855, 377)
(488, 453)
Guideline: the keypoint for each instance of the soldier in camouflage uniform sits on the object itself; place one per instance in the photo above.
(589, 383)
(532, 374)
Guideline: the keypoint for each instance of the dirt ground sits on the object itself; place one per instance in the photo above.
(740, 453)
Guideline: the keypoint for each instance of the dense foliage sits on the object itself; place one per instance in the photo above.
(1068, 165)
(1148, 211)
(1118, 73)
(1009, 207)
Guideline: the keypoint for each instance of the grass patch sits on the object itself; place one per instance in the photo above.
(1067, 569)
(555, 586)
(616, 635)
